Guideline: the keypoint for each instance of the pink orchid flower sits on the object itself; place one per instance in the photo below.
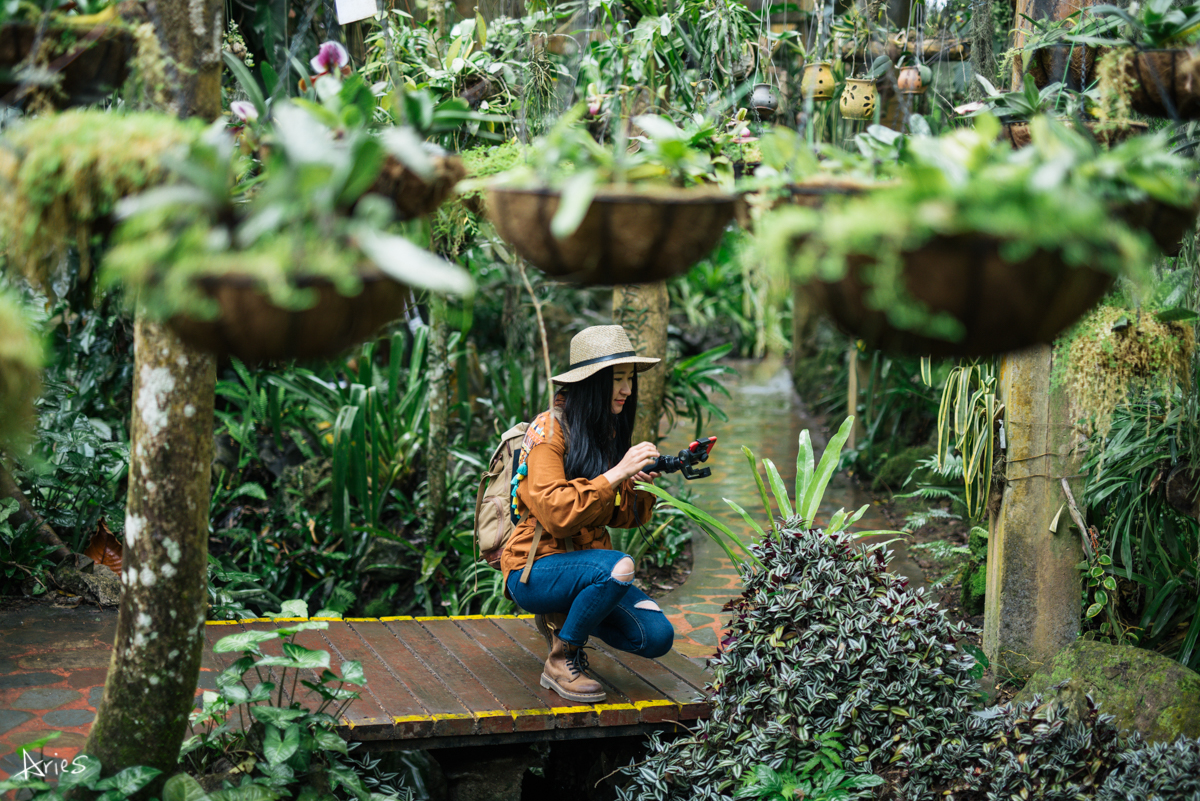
(244, 110)
(330, 56)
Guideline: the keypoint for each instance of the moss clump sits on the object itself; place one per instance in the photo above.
(64, 173)
(20, 366)
(1114, 350)
(898, 467)
(458, 220)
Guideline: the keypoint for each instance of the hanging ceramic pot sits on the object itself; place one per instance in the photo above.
(817, 81)
(909, 82)
(859, 99)
(764, 101)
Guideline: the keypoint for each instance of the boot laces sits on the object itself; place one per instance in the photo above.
(578, 662)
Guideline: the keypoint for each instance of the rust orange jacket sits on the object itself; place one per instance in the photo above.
(580, 508)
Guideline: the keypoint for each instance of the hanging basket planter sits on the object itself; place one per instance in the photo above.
(859, 99)
(908, 81)
(415, 195)
(1017, 133)
(817, 81)
(1163, 83)
(255, 329)
(87, 63)
(1074, 66)
(626, 237)
(1166, 224)
(764, 101)
(1002, 306)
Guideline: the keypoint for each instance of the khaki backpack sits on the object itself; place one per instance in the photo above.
(494, 518)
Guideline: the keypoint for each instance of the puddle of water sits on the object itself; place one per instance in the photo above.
(766, 415)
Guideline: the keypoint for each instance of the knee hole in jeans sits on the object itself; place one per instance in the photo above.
(647, 604)
(623, 571)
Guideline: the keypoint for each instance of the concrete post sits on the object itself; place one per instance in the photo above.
(1033, 587)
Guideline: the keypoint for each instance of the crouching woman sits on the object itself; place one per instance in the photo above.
(576, 476)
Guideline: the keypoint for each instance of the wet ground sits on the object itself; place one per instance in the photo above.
(766, 415)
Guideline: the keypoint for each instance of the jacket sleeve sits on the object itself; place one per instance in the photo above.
(563, 507)
(631, 500)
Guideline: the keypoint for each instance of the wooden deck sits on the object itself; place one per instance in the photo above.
(436, 682)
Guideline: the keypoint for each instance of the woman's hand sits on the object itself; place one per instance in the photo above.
(632, 463)
(647, 477)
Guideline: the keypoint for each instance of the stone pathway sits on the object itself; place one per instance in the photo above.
(766, 415)
(53, 660)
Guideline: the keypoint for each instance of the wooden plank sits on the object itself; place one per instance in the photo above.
(491, 713)
(686, 669)
(522, 666)
(449, 714)
(670, 685)
(627, 691)
(408, 718)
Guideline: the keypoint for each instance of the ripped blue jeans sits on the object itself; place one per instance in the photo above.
(581, 583)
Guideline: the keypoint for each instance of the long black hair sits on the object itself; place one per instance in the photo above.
(598, 438)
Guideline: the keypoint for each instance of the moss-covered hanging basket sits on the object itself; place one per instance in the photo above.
(626, 237)
(1017, 133)
(256, 329)
(1073, 65)
(1002, 306)
(416, 195)
(20, 370)
(1163, 83)
(87, 63)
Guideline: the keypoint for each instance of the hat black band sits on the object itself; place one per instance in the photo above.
(599, 359)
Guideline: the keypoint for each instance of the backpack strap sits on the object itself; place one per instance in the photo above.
(537, 537)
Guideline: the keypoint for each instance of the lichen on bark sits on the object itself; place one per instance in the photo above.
(151, 682)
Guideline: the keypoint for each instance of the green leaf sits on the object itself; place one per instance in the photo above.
(243, 641)
(762, 488)
(1110, 583)
(1094, 610)
(182, 787)
(411, 265)
(745, 516)
(130, 780)
(352, 673)
(84, 770)
(1176, 315)
(297, 657)
(275, 715)
(829, 462)
(278, 746)
(577, 194)
(804, 467)
(250, 86)
(329, 740)
(778, 489)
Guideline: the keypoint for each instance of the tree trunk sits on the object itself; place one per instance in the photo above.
(438, 453)
(148, 694)
(26, 513)
(643, 310)
(151, 684)
(983, 61)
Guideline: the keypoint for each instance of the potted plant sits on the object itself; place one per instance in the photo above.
(301, 264)
(416, 175)
(63, 174)
(1051, 52)
(1150, 68)
(69, 53)
(967, 254)
(912, 77)
(817, 81)
(619, 217)
(859, 99)
(1015, 109)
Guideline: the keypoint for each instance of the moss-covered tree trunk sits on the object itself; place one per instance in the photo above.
(151, 683)
(643, 310)
(155, 663)
(438, 453)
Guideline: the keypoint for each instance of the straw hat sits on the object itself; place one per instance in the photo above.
(600, 346)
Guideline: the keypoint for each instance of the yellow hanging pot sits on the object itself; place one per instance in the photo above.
(859, 99)
(817, 81)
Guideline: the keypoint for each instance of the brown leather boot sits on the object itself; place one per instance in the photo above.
(566, 673)
(549, 624)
